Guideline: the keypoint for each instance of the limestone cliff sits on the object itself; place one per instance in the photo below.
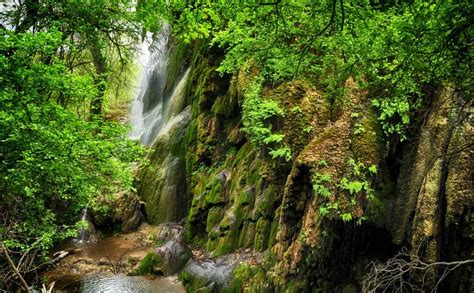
(347, 197)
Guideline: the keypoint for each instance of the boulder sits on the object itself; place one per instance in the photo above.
(167, 259)
(124, 213)
(207, 274)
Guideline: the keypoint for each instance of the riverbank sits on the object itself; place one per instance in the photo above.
(105, 264)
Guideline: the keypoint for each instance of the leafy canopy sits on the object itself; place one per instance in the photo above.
(52, 162)
(398, 50)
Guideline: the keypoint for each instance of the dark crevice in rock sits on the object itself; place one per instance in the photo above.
(442, 201)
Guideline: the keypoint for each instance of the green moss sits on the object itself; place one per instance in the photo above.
(150, 264)
(264, 203)
(178, 54)
(245, 197)
(226, 244)
(193, 284)
(214, 192)
(367, 138)
(247, 278)
(262, 234)
(213, 218)
(247, 234)
(225, 105)
(273, 232)
(229, 232)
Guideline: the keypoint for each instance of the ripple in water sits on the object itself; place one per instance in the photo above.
(122, 283)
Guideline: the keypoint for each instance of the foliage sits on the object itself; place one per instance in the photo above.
(256, 115)
(399, 50)
(52, 162)
(101, 36)
(342, 199)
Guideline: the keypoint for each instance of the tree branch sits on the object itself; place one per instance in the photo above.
(14, 268)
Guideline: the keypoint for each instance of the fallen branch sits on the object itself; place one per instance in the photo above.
(14, 268)
(408, 272)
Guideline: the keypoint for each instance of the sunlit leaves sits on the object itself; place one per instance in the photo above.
(394, 49)
(52, 162)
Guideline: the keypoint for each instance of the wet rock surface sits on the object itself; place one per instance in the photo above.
(208, 274)
(168, 259)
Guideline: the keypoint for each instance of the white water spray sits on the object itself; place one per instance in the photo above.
(83, 233)
(151, 108)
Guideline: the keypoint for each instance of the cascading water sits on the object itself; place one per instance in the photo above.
(84, 233)
(159, 116)
(152, 108)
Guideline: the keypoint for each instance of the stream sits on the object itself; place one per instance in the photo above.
(123, 283)
(97, 264)
(104, 265)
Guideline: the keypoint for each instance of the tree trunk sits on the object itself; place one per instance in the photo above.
(100, 79)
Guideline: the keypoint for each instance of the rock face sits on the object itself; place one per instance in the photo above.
(433, 208)
(162, 184)
(347, 197)
(221, 274)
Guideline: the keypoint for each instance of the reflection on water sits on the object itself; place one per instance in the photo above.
(122, 283)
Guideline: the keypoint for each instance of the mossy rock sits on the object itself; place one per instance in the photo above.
(367, 139)
(205, 275)
(261, 235)
(226, 244)
(214, 216)
(193, 284)
(225, 105)
(175, 66)
(247, 278)
(168, 259)
(247, 234)
(214, 194)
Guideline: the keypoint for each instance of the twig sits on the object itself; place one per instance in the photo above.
(403, 272)
(314, 37)
(13, 267)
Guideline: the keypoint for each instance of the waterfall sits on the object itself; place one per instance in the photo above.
(175, 103)
(84, 233)
(159, 116)
(152, 108)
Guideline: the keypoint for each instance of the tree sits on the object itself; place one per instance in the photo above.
(394, 48)
(52, 161)
(99, 34)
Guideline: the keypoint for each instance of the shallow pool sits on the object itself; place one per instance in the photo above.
(123, 283)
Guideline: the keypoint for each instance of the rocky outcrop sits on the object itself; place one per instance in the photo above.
(348, 196)
(432, 212)
(207, 275)
(161, 181)
(221, 274)
(123, 213)
(162, 184)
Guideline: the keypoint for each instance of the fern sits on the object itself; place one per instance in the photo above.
(256, 114)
